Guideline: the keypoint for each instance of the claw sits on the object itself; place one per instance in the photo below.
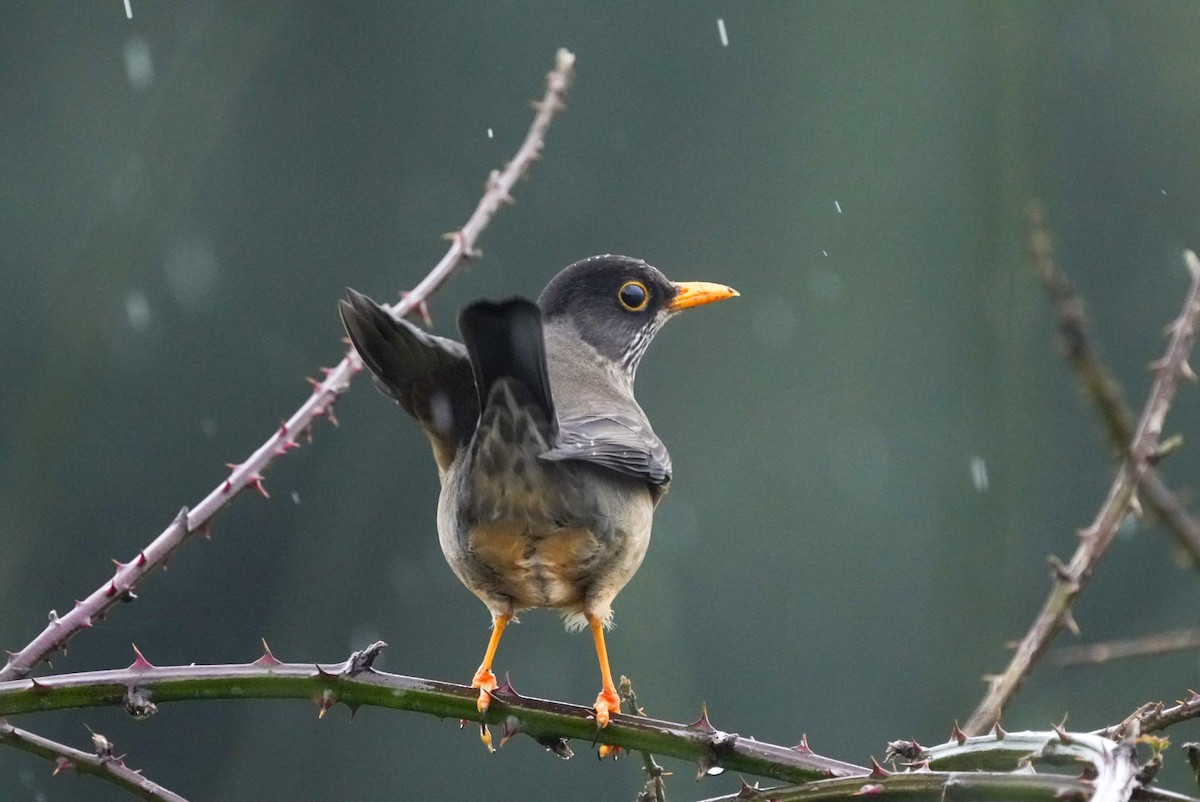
(485, 735)
(485, 681)
(607, 703)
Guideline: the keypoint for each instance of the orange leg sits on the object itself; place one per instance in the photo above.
(608, 702)
(484, 679)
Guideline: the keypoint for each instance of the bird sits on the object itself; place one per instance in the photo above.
(550, 471)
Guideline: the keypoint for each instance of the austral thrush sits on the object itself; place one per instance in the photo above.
(550, 471)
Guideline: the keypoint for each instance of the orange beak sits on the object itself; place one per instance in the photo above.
(698, 293)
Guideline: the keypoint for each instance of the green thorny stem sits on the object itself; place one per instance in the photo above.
(142, 687)
(995, 766)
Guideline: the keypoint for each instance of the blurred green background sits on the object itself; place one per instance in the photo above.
(184, 195)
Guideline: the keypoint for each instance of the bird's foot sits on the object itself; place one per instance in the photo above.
(607, 703)
(485, 681)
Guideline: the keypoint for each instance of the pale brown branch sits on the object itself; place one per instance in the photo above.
(1155, 716)
(1069, 579)
(1099, 383)
(1147, 645)
(320, 403)
(106, 766)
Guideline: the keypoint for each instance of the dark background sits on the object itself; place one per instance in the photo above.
(184, 195)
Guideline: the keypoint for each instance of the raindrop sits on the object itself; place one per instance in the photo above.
(191, 269)
(979, 474)
(838, 205)
(721, 32)
(295, 497)
(139, 65)
(490, 134)
(137, 310)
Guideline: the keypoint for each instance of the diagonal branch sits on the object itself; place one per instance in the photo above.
(142, 687)
(107, 766)
(1100, 384)
(325, 394)
(1070, 578)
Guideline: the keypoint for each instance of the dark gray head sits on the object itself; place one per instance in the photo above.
(618, 303)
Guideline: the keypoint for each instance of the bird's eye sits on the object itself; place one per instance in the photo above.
(633, 296)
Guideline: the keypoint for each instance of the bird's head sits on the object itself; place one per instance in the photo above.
(618, 303)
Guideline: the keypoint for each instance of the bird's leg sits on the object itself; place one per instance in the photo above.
(608, 702)
(484, 679)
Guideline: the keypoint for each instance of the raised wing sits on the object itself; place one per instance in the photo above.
(429, 376)
(618, 442)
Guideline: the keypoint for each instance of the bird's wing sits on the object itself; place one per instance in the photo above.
(505, 344)
(429, 376)
(619, 442)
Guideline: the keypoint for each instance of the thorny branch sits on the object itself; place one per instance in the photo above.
(142, 688)
(103, 763)
(1070, 578)
(1100, 384)
(249, 473)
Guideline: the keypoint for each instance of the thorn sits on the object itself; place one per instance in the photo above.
(205, 532)
(62, 764)
(111, 590)
(420, 309)
(702, 723)
(748, 792)
(256, 481)
(329, 413)
(283, 429)
(460, 239)
(1058, 569)
(1068, 621)
(1158, 364)
(878, 772)
(803, 745)
(37, 687)
(1164, 449)
(512, 725)
(286, 446)
(325, 701)
(1135, 504)
(316, 385)
(141, 559)
(353, 709)
(958, 735)
(323, 674)
(102, 746)
(268, 659)
(1060, 731)
(140, 663)
(998, 732)
(505, 690)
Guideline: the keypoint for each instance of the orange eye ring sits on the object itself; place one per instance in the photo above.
(633, 295)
